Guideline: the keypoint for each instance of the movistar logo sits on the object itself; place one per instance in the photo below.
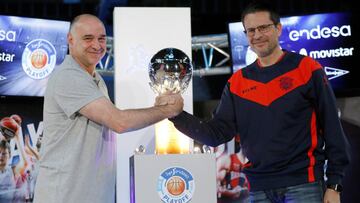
(320, 32)
(328, 53)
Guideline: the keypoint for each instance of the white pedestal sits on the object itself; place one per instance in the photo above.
(171, 178)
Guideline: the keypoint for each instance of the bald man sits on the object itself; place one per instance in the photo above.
(77, 161)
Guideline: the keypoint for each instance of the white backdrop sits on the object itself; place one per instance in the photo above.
(138, 34)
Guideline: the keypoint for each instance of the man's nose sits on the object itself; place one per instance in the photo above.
(96, 44)
(257, 33)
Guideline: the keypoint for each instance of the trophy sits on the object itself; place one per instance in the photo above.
(170, 71)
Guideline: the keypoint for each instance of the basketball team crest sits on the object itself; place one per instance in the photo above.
(175, 184)
(38, 59)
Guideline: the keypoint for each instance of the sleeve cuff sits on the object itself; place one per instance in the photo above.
(178, 117)
(333, 180)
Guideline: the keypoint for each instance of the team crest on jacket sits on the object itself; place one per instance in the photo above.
(286, 83)
(175, 184)
(38, 59)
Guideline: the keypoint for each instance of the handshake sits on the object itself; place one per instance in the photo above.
(171, 104)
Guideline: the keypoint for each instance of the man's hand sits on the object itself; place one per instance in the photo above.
(171, 104)
(331, 196)
(165, 99)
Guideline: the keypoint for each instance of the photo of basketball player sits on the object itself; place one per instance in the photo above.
(233, 186)
(17, 162)
(12, 167)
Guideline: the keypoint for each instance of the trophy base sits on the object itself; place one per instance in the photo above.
(173, 178)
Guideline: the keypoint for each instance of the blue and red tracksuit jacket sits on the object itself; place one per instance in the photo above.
(287, 120)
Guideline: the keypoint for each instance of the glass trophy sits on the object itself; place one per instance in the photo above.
(170, 71)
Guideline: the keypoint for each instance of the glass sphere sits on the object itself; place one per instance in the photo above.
(170, 70)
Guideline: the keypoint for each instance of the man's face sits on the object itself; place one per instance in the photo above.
(4, 157)
(87, 42)
(262, 33)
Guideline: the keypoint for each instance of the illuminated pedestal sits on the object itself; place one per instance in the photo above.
(168, 140)
(169, 178)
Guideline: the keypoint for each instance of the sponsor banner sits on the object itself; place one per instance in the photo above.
(30, 49)
(327, 37)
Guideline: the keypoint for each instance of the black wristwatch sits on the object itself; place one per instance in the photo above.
(336, 187)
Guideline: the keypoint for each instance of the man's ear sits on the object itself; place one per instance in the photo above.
(279, 28)
(70, 39)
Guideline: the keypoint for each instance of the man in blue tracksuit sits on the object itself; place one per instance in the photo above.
(284, 109)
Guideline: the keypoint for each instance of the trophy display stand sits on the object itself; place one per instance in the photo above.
(172, 174)
(179, 178)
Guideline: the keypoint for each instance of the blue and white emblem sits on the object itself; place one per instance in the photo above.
(175, 184)
(38, 59)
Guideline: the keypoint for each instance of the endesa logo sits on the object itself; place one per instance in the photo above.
(320, 32)
(7, 35)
